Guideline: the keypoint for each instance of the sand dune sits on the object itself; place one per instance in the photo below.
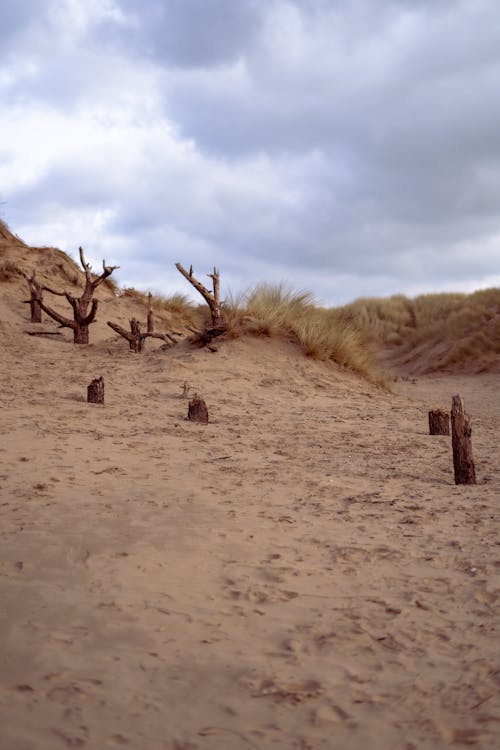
(301, 572)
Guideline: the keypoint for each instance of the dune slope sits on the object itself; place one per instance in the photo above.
(301, 572)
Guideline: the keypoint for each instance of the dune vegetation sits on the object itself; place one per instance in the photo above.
(433, 332)
(446, 332)
(321, 333)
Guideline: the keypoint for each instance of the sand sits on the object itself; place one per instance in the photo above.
(302, 572)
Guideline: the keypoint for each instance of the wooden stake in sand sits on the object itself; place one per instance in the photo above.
(461, 431)
(197, 410)
(439, 422)
(150, 322)
(95, 391)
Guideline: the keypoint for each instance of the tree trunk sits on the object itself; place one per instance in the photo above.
(461, 431)
(95, 391)
(439, 422)
(150, 321)
(197, 410)
(136, 340)
(81, 334)
(36, 310)
(36, 292)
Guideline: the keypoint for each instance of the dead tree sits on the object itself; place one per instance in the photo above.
(82, 317)
(36, 292)
(461, 431)
(136, 337)
(212, 299)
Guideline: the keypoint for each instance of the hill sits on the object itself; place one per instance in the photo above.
(449, 333)
(300, 572)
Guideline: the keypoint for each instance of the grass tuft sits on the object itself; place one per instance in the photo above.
(8, 271)
(322, 334)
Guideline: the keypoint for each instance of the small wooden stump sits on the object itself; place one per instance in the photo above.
(461, 431)
(95, 391)
(439, 422)
(197, 410)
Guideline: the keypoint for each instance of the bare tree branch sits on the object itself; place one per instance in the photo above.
(211, 298)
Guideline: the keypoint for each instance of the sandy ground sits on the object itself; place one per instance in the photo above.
(301, 572)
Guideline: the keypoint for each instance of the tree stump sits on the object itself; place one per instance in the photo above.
(95, 391)
(197, 410)
(461, 431)
(439, 422)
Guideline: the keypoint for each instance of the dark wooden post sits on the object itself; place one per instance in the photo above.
(95, 391)
(439, 422)
(136, 339)
(197, 410)
(36, 290)
(150, 321)
(461, 431)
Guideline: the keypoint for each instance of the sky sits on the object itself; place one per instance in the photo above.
(349, 148)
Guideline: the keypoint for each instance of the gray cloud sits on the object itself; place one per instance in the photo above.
(191, 33)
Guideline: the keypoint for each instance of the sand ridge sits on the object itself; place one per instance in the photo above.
(299, 573)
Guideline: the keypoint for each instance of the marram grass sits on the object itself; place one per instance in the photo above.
(274, 310)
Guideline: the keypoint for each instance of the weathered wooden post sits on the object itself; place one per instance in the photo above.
(95, 391)
(439, 422)
(461, 431)
(36, 290)
(150, 321)
(197, 410)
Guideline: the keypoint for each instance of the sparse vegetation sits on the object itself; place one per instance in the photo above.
(324, 334)
(8, 271)
(178, 306)
(433, 332)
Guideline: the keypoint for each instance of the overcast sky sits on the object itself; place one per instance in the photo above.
(346, 147)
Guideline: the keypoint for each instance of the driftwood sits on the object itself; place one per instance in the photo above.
(95, 391)
(439, 422)
(211, 298)
(43, 333)
(197, 410)
(461, 431)
(205, 338)
(136, 337)
(82, 317)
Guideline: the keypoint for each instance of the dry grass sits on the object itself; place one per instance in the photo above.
(177, 307)
(434, 332)
(321, 333)
(8, 271)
